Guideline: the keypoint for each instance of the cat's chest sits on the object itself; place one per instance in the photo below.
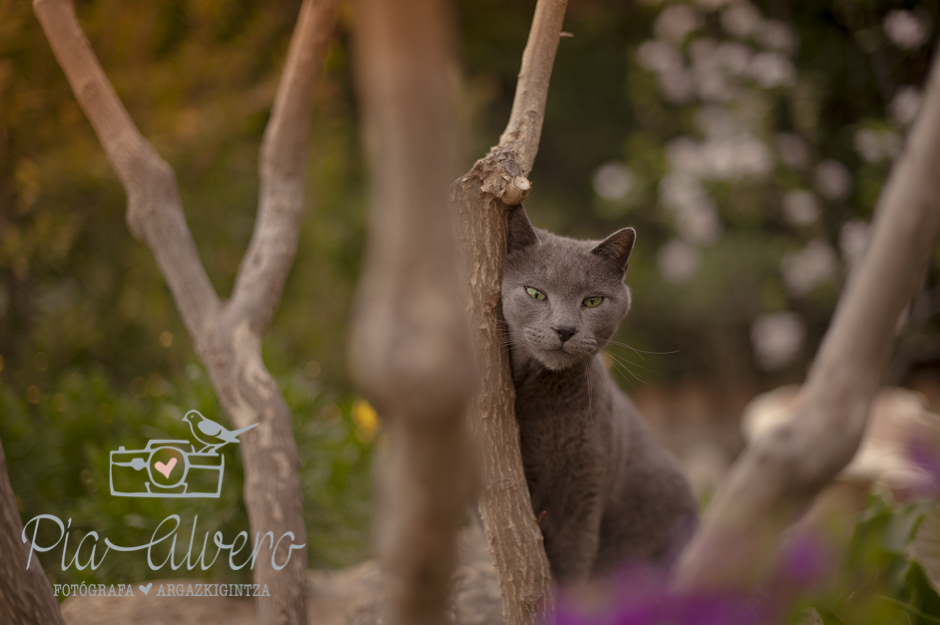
(561, 417)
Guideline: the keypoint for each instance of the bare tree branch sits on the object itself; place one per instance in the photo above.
(154, 212)
(227, 337)
(273, 246)
(779, 475)
(480, 198)
(524, 129)
(25, 594)
(409, 348)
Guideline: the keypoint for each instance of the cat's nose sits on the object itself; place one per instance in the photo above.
(565, 332)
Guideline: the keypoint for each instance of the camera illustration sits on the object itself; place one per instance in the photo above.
(166, 468)
(173, 468)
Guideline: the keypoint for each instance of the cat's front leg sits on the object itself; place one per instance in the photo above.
(571, 528)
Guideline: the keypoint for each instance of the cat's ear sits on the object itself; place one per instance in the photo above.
(521, 234)
(617, 247)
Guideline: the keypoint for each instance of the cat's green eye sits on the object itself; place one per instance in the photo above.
(591, 302)
(535, 293)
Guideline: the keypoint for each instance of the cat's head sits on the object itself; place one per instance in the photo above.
(562, 298)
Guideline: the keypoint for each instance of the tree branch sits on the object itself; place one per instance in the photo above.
(227, 338)
(778, 475)
(263, 271)
(25, 594)
(480, 199)
(409, 350)
(154, 211)
(524, 129)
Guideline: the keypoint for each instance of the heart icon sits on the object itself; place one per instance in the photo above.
(165, 469)
(146, 589)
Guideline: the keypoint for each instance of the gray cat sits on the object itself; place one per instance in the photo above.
(610, 493)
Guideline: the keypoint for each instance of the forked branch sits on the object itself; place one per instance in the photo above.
(779, 475)
(227, 337)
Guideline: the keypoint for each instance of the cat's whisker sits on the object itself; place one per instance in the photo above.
(621, 366)
(623, 374)
(626, 365)
(629, 362)
(640, 352)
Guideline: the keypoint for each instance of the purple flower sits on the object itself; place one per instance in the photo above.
(641, 597)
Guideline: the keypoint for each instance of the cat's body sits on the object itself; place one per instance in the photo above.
(610, 493)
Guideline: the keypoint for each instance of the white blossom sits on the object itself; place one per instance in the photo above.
(678, 261)
(694, 211)
(716, 122)
(741, 19)
(680, 190)
(613, 180)
(675, 22)
(801, 208)
(904, 106)
(712, 5)
(699, 223)
(833, 180)
(676, 85)
(658, 56)
(741, 156)
(734, 57)
(719, 157)
(806, 269)
(713, 86)
(683, 155)
(777, 338)
(771, 69)
(876, 145)
(905, 29)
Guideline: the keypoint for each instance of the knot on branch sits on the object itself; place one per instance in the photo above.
(500, 176)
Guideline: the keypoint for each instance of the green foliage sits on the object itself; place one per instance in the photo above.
(58, 457)
(879, 581)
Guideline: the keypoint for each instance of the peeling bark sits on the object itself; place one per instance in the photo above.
(480, 199)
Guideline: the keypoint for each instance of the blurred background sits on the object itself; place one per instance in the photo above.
(747, 142)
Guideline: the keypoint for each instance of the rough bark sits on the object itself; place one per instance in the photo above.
(481, 198)
(25, 594)
(779, 474)
(409, 350)
(227, 335)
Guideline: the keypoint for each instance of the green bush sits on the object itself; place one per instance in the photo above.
(58, 453)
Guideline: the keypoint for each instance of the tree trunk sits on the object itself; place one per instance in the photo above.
(227, 334)
(481, 198)
(779, 475)
(26, 596)
(409, 349)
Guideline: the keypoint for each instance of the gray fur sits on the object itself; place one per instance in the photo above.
(610, 493)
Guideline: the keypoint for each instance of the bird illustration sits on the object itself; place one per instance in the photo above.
(210, 433)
